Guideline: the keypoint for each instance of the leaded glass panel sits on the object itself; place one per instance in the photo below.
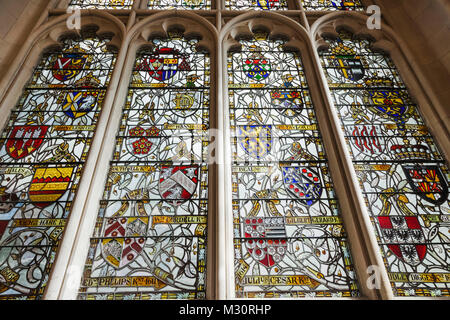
(256, 4)
(180, 4)
(345, 5)
(42, 152)
(289, 238)
(150, 237)
(403, 175)
(101, 4)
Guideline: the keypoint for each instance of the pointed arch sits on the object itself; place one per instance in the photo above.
(386, 40)
(48, 36)
(177, 105)
(384, 107)
(298, 43)
(49, 135)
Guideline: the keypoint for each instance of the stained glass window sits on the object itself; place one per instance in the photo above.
(402, 173)
(346, 5)
(289, 237)
(150, 238)
(43, 149)
(101, 4)
(180, 4)
(256, 4)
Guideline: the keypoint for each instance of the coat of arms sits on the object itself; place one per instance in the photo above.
(256, 66)
(366, 140)
(428, 182)
(177, 184)
(142, 141)
(405, 237)
(265, 239)
(76, 104)
(164, 63)
(267, 4)
(386, 102)
(344, 4)
(256, 140)
(346, 62)
(124, 239)
(49, 184)
(24, 140)
(303, 183)
(69, 65)
(288, 103)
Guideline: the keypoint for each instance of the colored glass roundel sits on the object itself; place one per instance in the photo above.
(42, 153)
(150, 238)
(101, 4)
(403, 175)
(344, 5)
(289, 239)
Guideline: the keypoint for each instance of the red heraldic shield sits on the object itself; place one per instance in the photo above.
(164, 63)
(265, 239)
(404, 237)
(24, 140)
(178, 183)
(124, 240)
(69, 66)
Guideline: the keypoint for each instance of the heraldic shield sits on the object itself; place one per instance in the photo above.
(303, 183)
(124, 239)
(77, 104)
(267, 4)
(366, 140)
(405, 238)
(178, 183)
(388, 104)
(265, 239)
(69, 66)
(428, 182)
(142, 142)
(288, 103)
(350, 67)
(24, 140)
(343, 4)
(164, 63)
(49, 184)
(256, 140)
(256, 67)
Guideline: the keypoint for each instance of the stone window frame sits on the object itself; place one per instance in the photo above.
(219, 29)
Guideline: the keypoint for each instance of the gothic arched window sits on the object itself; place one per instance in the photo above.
(289, 239)
(150, 236)
(43, 150)
(403, 175)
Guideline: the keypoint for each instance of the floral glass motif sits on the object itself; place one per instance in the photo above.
(42, 152)
(344, 5)
(101, 4)
(403, 175)
(150, 238)
(180, 4)
(289, 239)
(256, 4)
